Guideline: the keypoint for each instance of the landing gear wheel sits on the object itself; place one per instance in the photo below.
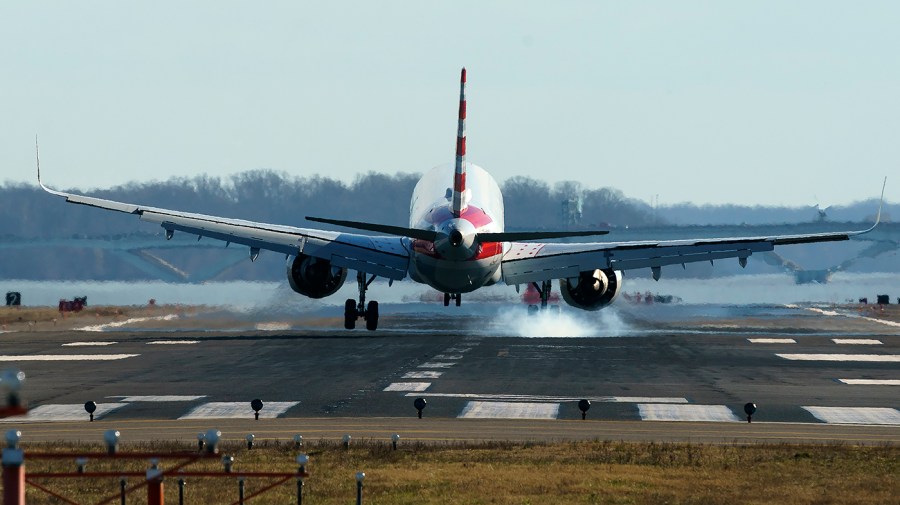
(532, 310)
(446, 299)
(458, 299)
(372, 316)
(350, 314)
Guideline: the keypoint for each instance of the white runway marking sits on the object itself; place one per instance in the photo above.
(448, 356)
(509, 410)
(273, 326)
(424, 374)
(158, 398)
(87, 344)
(173, 342)
(68, 357)
(855, 415)
(458, 349)
(857, 341)
(872, 382)
(408, 386)
(76, 412)
(772, 341)
(554, 399)
(119, 324)
(854, 316)
(669, 412)
(891, 358)
(436, 365)
(237, 410)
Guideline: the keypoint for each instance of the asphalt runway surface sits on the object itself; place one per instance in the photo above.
(660, 372)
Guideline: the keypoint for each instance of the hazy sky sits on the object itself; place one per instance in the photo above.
(710, 102)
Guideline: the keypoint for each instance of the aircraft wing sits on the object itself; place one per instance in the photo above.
(534, 262)
(382, 256)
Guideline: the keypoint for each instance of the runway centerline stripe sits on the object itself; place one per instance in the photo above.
(509, 410)
(408, 386)
(423, 374)
(772, 341)
(119, 324)
(158, 398)
(436, 365)
(890, 358)
(553, 399)
(871, 382)
(173, 342)
(56, 412)
(237, 410)
(856, 415)
(448, 356)
(68, 357)
(88, 344)
(857, 341)
(669, 412)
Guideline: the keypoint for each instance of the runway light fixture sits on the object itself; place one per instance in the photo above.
(227, 462)
(419, 404)
(90, 408)
(80, 463)
(201, 437)
(256, 405)
(360, 476)
(111, 439)
(302, 461)
(394, 439)
(212, 441)
(298, 441)
(749, 409)
(12, 439)
(584, 405)
(10, 383)
(347, 441)
(250, 438)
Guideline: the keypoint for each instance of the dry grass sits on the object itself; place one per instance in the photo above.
(516, 473)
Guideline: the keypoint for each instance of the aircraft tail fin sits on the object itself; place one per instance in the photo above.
(459, 177)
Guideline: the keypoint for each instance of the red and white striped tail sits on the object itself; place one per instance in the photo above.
(459, 178)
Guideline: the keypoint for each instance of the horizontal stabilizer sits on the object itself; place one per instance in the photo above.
(379, 228)
(517, 236)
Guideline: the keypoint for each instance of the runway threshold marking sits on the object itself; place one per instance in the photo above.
(509, 410)
(448, 356)
(65, 412)
(422, 374)
(158, 398)
(554, 399)
(857, 341)
(436, 365)
(890, 358)
(871, 382)
(237, 410)
(772, 341)
(408, 386)
(855, 415)
(670, 412)
(68, 357)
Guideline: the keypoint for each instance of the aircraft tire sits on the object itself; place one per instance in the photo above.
(532, 310)
(446, 299)
(350, 314)
(372, 316)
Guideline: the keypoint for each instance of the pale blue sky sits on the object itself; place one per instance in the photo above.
(711, 102)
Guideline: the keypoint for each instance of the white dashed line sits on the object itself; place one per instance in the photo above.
(119, 324)
(408, 386)
(76, 412)
(871, 382)
(173, 342)
(457, 349)
(88, 344)
(891, 358)
(669, 412)
(448, 356)
(772, 341)
(855, 415)
(436, 365)
(857, 341)
(553, 399)
(509, 410)
(68, 357)
(237, 410)
(158, 398)
(424, 374)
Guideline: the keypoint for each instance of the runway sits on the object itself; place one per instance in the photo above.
(651, 373)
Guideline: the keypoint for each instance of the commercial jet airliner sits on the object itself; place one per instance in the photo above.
(455, 243)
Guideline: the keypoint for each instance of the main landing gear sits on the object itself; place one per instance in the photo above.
(354, 310)
(544, 290)
(453, 296)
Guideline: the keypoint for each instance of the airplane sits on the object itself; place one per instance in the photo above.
(455, 243)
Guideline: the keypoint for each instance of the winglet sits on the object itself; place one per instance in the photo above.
(459, 178)
(878, 215)
(37, 159)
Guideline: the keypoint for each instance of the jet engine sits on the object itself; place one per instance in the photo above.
(314, 277)
(592, 290)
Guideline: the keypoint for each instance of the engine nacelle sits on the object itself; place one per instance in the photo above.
(592, 290)
(314, 277)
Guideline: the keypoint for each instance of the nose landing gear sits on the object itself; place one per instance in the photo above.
(354, 310)
(453, 296)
